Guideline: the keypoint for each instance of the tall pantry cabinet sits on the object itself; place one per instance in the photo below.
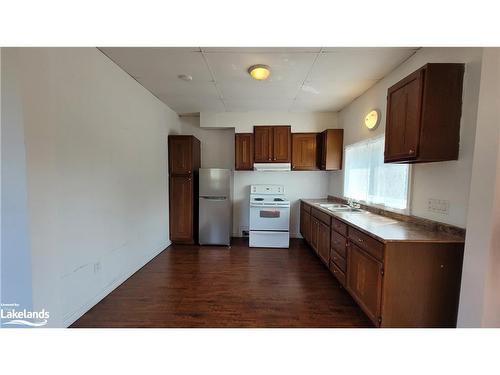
(184, 160)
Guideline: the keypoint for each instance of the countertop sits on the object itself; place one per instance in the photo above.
(387, 229)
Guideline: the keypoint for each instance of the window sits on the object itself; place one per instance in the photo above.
(368, 179)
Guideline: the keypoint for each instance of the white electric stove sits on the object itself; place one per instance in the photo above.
(269, 216)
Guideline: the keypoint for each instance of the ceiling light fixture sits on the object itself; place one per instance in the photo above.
(259, 72)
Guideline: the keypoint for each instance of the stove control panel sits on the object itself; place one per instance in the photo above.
(267, 189)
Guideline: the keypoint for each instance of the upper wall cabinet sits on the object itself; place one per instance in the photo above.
(330, 147)
(423, 115)
(304, 151)
(272, 144)
(243, 151)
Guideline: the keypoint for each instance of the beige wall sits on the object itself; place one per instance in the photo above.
(96, 156)
(444, 180)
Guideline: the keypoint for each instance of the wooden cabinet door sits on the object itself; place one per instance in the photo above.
(324, 242)
(243, 151)
(263, 144)
(181, 209)
(304, 151)
(364, 281)
(330, 149)
(305, 224)
(404, 105)
(314, 233)
(282, 144)
(180, 155)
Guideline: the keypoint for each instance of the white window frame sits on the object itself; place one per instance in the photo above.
(407, 210)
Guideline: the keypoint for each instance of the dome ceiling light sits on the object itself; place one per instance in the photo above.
(259, 72)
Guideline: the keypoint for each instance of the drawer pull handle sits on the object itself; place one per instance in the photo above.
(360, 240)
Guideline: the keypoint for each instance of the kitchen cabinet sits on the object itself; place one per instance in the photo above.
(324, 242)
(314, 233)
(305, 222)
(184, 162)
(330, 149)
(272, 144)
(364, 281)
(243, 151)
(181, 155)
(403, 283)
(304, 152)
(423, 115)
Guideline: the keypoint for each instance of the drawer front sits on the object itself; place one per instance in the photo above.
(367, 243)
(321, 216)
(339, 226)
(339, 261)
(305, 207)
(337, 273)
(339, 242)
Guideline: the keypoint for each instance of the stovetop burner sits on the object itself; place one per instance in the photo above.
(278, 199)
(258, 199)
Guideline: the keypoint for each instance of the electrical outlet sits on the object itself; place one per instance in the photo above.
(438, 206)
(97, 267)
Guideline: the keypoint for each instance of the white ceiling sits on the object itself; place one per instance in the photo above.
(302, 79)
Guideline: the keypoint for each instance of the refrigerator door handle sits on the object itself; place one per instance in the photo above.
(213, 198)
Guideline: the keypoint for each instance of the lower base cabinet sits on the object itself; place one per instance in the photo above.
(324, 242)
(364, 281)
(397, 284)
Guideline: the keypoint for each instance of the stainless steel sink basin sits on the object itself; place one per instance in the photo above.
(337, 207)
(330, 206)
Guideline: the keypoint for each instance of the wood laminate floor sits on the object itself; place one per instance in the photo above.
(205, 286)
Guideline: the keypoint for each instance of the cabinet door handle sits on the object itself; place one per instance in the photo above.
(412, 151)
(360, 240)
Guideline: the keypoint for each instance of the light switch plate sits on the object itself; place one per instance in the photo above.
(438, 206)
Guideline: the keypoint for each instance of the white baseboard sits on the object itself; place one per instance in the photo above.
(73, 317)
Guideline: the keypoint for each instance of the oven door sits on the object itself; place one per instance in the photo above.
(269, 218)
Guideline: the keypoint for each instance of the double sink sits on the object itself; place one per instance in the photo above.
(337, 207)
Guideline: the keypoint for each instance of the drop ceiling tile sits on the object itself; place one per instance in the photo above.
(322, 90)
(254, 90)
(368, 49)
(243, 105)
(190, 104)
(261, 49)
(160, 63)
(232, 67)
(179, 87)
(357, 64)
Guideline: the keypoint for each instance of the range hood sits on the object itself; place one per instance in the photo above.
(272, 167)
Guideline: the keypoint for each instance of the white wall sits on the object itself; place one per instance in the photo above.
(96, 156)
(217, 145)
(313, 184)
(480, 299)
(243, 122)
(444, 180)
(15, 254)
(218, 151)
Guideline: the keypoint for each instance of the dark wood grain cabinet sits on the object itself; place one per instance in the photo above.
(364, 281)
(243, 151)
(304, 151)
(396, 283)
(272, 144)
(184, 161)
(305, 222)
(330, 149)
(324, 242)
(423, 115)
